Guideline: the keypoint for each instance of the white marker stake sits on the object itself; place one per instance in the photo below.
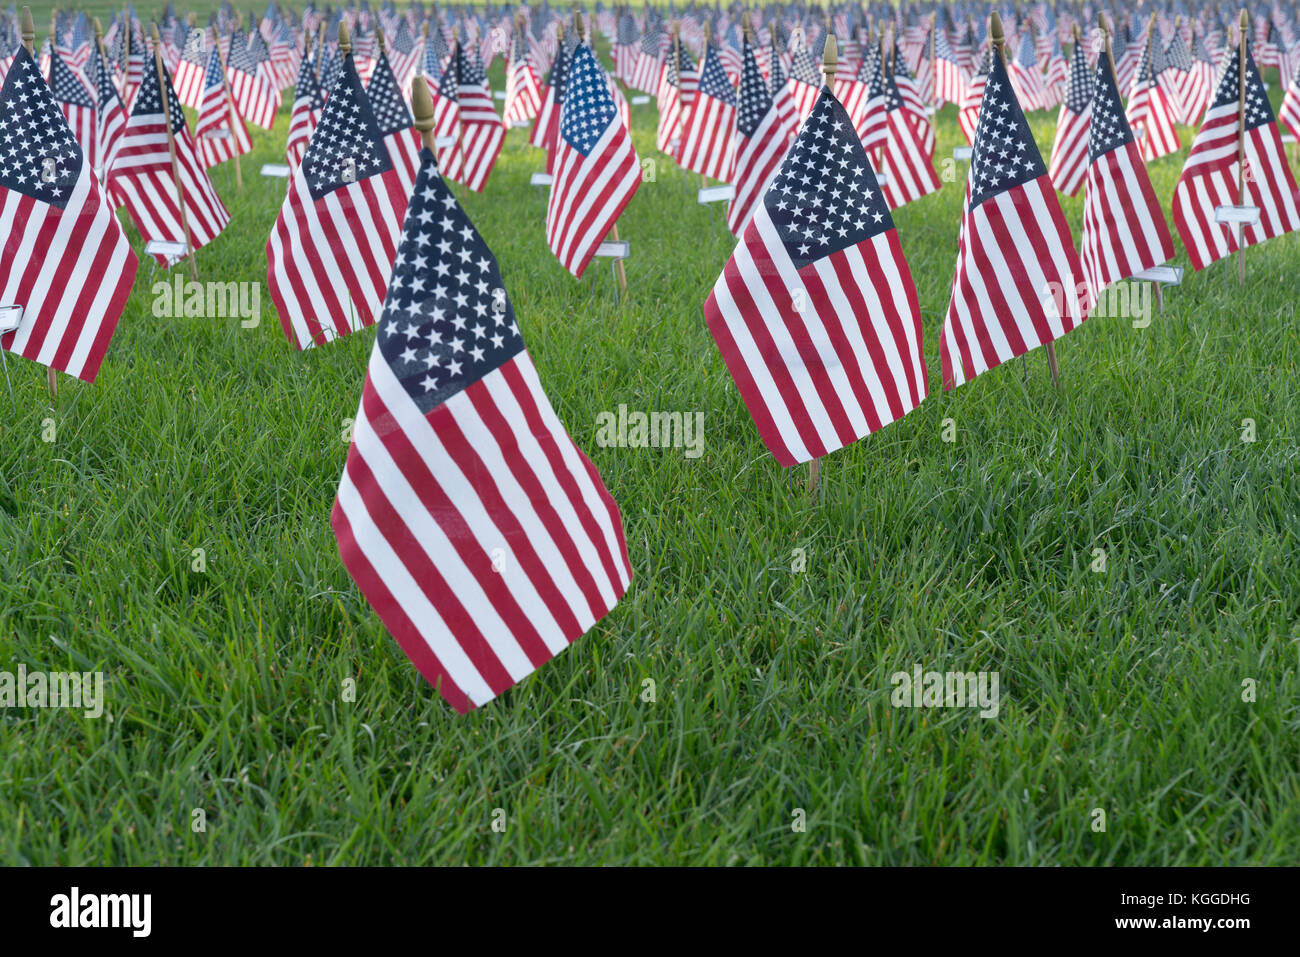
(716, 194)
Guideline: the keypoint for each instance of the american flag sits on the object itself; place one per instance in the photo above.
(1289, 114)
(523, 92)
(1180, 76)
(815, 313)
(403, 56)
(782, 96)
(1068, 165)
(1209, 177)
(950, 80)
(805, 82)
(968, 116)
(644, 75)
(1198, 92)
(401, 138)
(191, 70)
(219, 136)
(709, 129)
(77, 103)
(477, 129)
(912, 103)
(1014, 250)
(307, 105)
(331, 250)
(110, 116)
(256, 97)
(546, 128)
(671, 99)
(1026, 78)
(478, 531)
(67, 263)
(1151, 110)
(1124, 230)
(761, 142)
(865, 101)
(625, 47)
(596, 167)
(141, 178)
(905, 157)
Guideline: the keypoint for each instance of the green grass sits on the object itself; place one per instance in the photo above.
(1120, 690)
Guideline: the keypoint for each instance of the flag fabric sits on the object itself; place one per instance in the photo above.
(1289, 114)
(331, 251)
(1198, 92)
(815, 313)
(709, 130)
(949, 78)
(1209, 177)
(546, 129)
(968, 116)
(904, 157)
(1151, 112)
(478, 531)
(77, 102)
(782, 95)
(805, 82)
(306, 111)
(1026, 79)
(401, 138)
(66, 261)
(1014, 250)
(596, 167)
(479, 131)
(644, 74)
(1124, 230)
(191, 70)
(866, 101)
(256, 98)
(761, 142)
(110, 117)
(523, 93)
(219, 138)
(670, 101)
(142, 179)
(1068, 165)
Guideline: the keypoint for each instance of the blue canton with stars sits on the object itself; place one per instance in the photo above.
(825, 197)
(67, 88)
(713, 78)
(213, 77)
(1258, 110)
(346, 145)
(1108, 129)
(1080, 91)
(1004, 154)
(755, 100)
(588, 106)
(447, 321)
(40, 157)
(390, 109)
(148, 101)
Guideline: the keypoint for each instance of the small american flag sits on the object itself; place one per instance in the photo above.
(66, 261)
(1027, 79)
(649, 61)
(671, 99)
(596, 167)
(1069, 163)
(256, 97)
(523, 92)
(307, 105)
(546, 129)
(479, 130)
(805, 82)
(906, 155)
(331, 250)
(1199, 90)
(110, 115)
(78, 104)
(815, 313)
(401, 138)
(1209, 177)
(1151, 110)
(709, 130)
(191, 69)
(1124, 230)
(949, 78)
(782, 96)
(142, 180)
(218, 136)
(1014, 250)
(968, 117)
(476, 528)
(761, 142)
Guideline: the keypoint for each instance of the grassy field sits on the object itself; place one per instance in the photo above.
(1121, 690)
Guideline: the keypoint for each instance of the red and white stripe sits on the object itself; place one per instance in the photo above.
(422, 495)
(1151, 113)
(523, 92)
(255, 97)
(908, 169)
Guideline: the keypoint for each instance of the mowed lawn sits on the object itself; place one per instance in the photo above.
(728, 697)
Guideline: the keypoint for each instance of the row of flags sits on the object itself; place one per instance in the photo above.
(484, 538)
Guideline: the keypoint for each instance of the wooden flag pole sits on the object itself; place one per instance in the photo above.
(999, 41)
(29, 43)
(1241, 142)
(320, 47)
(230, 103)
(830, 65)
(703, 55)
(165, 100)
